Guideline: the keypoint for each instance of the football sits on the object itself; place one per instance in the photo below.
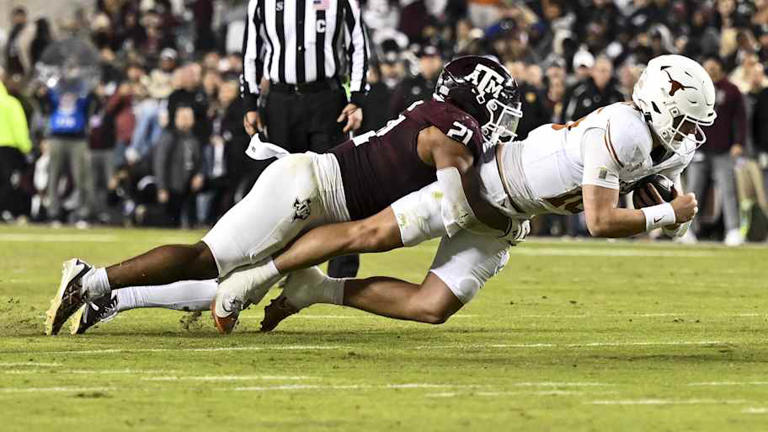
(643, 191)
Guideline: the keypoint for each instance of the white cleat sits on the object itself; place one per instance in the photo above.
(733, 238)
(240, 288)
(69, 298)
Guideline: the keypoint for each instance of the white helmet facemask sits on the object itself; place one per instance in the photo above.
(503, 121)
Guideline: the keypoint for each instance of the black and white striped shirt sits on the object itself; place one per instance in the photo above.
(299, 41)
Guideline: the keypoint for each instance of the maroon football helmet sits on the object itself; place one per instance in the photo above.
(484, 89)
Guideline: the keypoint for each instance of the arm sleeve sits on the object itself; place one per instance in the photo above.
(357, 50)
(601, 165)
(253, 66)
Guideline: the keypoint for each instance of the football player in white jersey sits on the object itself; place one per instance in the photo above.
(564, 169)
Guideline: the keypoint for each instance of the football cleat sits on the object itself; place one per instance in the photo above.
(239, 290)
(100, 310)
(298, 293)
(225, 311)
(69, 297)
(276, 311)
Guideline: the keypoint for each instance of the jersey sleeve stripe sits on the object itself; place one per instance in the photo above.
(609, 145)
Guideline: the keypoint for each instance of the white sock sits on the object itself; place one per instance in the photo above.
(333, 290)
(309, 286)
(95, 283)
(191, 295)
(254, 281)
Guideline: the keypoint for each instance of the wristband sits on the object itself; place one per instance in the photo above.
(659, 215)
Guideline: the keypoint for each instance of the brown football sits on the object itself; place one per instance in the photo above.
(643, 195)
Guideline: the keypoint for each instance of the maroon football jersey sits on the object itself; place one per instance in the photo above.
(380, 167)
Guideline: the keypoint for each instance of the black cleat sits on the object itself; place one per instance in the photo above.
(93, 312)
(276, 311)
(69, 298)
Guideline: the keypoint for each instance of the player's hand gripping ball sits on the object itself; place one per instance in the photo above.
(653, 190)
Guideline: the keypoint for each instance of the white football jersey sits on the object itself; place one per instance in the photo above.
(610, 147)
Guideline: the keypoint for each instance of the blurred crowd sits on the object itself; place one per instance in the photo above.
(160, 138)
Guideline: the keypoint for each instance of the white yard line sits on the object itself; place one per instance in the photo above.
(28, 364)
(608, 251)
(668, 402)
(59, 238)
(729, 383)
(575, 345)
(520, 393)
(293, 387)
(86, 238)
(213, 349)
(55, 389)
(423, 347)
(754, 410)
(228, 378)
(349, 317)
(646, 315)
(88, 372)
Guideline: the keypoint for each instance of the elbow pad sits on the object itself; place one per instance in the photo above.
(454, 207)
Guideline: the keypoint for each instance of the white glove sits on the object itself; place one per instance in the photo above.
(517, 231)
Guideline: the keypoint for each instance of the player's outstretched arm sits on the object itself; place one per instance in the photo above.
(604, 219)
(463, 205)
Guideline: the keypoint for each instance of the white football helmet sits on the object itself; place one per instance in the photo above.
(677, 97)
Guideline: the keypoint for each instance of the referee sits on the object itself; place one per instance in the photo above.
(302, 48)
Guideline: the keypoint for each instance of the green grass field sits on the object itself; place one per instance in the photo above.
(570, 336)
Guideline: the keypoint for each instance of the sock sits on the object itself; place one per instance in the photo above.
(333, 290)
(310, 286)
(95, 283)
(255, 281)
(191, 295)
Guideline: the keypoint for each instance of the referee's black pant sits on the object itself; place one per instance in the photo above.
(304, 119)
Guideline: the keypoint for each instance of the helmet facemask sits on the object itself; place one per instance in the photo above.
(684, 135)
(502, 121)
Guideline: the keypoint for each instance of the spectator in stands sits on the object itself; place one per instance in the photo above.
(13, 54)
(188, 92)
(758, 101)
(224, 165)
(419, 87)
(483, 13)
(42, 38)
(533, 101)
(178, 168)
(70, 105)
(597, 91)
(715, 159)
(101, 141)
(376, 105)
(14, 146)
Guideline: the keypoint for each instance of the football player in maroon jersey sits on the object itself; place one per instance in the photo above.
(476, 105)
